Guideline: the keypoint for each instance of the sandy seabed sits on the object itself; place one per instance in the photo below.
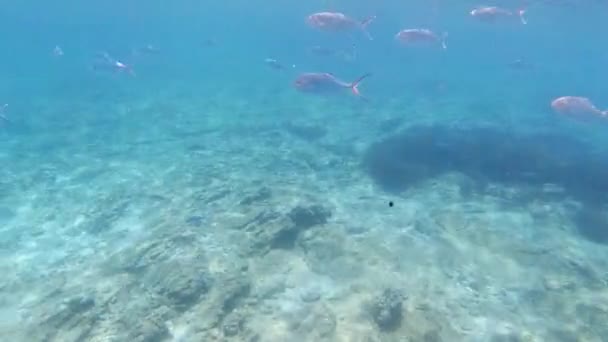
(228, 224)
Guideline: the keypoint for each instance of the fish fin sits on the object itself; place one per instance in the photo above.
(354, 86)
(604, 113)
(444, 36)
(365, 23)
(521, 13)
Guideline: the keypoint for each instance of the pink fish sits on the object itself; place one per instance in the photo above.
(338, 22)
(325, 83)
(419, 35)
(492, 13)
(576, 106)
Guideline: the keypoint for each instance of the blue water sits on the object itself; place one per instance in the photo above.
(204, 198)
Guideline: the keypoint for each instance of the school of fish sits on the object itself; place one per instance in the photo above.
(577, 107)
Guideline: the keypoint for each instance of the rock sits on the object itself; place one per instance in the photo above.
(68, 320)
(104, 218)
(386, 309)
(80, 303)
(149, 329)
(181, 281)
(220, 305)
(318, 325)
(195, 221)
(310, 295)
(302, 218)
(431, 336)
(232, 325)
(505, 338)
(261, 195)
(306, 217)
(271, 230)
(235, 290)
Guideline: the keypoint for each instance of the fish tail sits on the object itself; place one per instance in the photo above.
(365, 23)
(604, 113)
(354, 86)
(521, 13)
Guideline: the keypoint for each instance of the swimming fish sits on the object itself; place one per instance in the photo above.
(577, 106)
(345, 55)
(421, 35)
(322, 82)
(275, 64)
(57, 51)
(106, 62)
(338, 22)
(492, 13)
(148, 49)
(2, 111)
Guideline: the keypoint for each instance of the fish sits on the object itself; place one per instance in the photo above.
(210, 42)
(421, 35)
(323, 82)
(105, 62)
(492, 13)
(57, 51)
(275, 64)
(521, 64)
(345, 55)
(577, 106)
(3, 117)
(339, 22)
(148, 49)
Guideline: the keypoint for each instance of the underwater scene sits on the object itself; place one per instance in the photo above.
(322, 170)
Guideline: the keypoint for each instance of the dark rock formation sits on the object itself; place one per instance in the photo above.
(261, 195)
(232, 325)
(488, 155)
(387, 309)
(491, 155)
(305, 217)
(592, 223)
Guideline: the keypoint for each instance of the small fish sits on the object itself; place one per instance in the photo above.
(345, 55)
(3, 117)
(577, 106)
(420, 35)
(145, 50)
(210, 42)
(273, 63)
(57, 51)
(105, 62)
(492, 13)
(322, 82)
(520, 64)
(338, 22)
